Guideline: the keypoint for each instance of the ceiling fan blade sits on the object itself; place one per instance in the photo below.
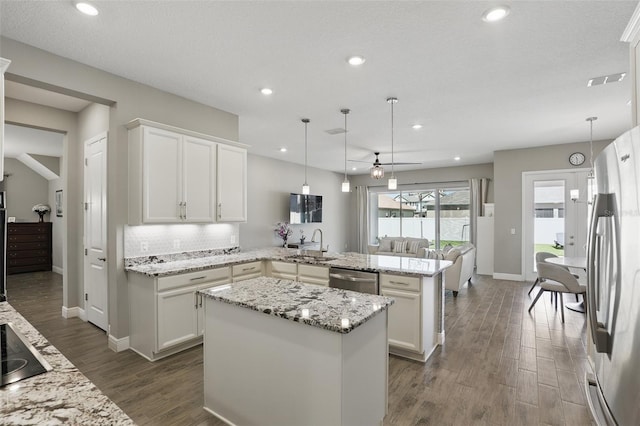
(360, 161)
(398, 163)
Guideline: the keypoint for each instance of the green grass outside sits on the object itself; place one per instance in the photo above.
(549, 248)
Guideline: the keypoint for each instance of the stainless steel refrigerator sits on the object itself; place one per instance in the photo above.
(613, 275)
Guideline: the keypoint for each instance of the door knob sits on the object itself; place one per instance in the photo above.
(103, 259)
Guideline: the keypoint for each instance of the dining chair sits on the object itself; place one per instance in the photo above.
(541, 256)
(555, 278)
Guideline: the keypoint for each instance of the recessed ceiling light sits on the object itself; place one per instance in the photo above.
(495, 14)
(266, 91)
(356, 60)
(456, 158)
(416, 126)
(629, 102)
(354, 168)
(86, 8)
(283, 149)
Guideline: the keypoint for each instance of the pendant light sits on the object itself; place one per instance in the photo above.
(377, 171)
(393, 182)
(345, 183)
(305, 186)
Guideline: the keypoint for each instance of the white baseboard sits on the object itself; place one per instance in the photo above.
(118, 345)
(508, 277)
(75, 311)
(57, 270)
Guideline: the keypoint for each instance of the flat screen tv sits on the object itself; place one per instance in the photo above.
(305, 208)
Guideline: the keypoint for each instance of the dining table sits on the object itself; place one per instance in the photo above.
(572, 262)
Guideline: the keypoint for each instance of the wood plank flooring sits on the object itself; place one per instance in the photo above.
(500, 365)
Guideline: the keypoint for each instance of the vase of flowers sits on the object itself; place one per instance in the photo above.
(41, 209)
(284, 231)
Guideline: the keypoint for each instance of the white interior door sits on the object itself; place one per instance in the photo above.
(95, 231)
(552, 222)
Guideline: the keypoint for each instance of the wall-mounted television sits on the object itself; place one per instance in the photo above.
(305, 208)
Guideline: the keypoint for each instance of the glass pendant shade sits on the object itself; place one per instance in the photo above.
(305, 186)
(393, 183)
(346, 187)
(377, 172)
(305, 189)
(345, 183)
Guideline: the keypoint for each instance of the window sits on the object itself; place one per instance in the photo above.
(441, 215)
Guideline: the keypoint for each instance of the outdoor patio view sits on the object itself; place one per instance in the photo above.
(439, 215)
(549, 213)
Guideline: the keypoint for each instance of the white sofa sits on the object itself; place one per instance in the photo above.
(463, 258)
(400, 246)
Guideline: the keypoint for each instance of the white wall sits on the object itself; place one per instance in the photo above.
(270, 182)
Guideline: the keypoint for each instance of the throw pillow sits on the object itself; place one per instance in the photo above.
(399, 246)
(413, 246)
(447, 248)
(452, 255)
(385, 245)
(435, 255)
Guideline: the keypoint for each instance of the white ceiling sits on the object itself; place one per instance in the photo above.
(476, 87)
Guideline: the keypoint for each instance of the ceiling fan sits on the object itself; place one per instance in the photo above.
(378, 163)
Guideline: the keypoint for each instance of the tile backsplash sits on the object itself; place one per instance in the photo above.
(147, 240)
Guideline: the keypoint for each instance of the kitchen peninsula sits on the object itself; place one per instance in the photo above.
(167, 313)
(284, 352)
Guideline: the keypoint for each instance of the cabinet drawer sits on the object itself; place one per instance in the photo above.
(400, 282)
(192, 278)
(29, 261)
(22, 254)
(19, 238)
(318, 272)
(20, 229)
(315, 281)
(283, 268)
(247, 276)
(247, 268)
(14, 246)
(284, 276)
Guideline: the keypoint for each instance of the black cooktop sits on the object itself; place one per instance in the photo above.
(19, 358)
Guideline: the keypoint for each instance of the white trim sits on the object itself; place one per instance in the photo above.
(57, 269)
(507, 277)
(440, 340)
(633, 27)
(143, 122)
(73, 312)
(224, 419)
(4, 64)
(118, 345)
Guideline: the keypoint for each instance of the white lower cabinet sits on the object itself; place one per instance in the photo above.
(283, 270)
(247, 271)
(313, 274)
(166, 313)
(412, 316)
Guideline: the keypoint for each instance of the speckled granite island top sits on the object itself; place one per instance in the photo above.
(332, 309)
(159, 266)
(60, 396)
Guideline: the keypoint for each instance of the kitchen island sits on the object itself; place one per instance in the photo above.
(287, 353)
(60, 396)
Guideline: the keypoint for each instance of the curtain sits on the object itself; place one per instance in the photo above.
(479, 187)
(362, 224)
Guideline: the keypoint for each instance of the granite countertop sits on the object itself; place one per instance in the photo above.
(159, 266)
(332, 309)
(60, 396)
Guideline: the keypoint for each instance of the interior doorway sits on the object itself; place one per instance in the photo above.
(552, 221)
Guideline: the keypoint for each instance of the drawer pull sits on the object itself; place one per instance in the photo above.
(249, 269)
(398, 282)
(198, 278)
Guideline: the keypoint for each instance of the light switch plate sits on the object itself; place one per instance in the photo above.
(144, 246)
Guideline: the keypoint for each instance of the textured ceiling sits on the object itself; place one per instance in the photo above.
(476, 87)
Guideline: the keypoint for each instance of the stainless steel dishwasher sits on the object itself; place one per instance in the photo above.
(347, 279)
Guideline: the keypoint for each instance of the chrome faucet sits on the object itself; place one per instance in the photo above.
(313, 239)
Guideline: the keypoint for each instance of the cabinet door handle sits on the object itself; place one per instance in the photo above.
(198, 278)
(195, 296)
(180, 210)
(184, 206)
(219, 210)
(200, 300)
(103, 259)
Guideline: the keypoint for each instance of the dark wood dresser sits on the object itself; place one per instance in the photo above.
(28, 247)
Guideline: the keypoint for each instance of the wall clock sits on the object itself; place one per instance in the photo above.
(576, 159)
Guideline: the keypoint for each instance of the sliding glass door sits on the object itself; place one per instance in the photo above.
(441, 215)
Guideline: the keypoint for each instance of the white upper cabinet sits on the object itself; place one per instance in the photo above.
(174, 176)
(232, 184)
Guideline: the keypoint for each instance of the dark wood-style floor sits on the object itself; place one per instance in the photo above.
(499, 364)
